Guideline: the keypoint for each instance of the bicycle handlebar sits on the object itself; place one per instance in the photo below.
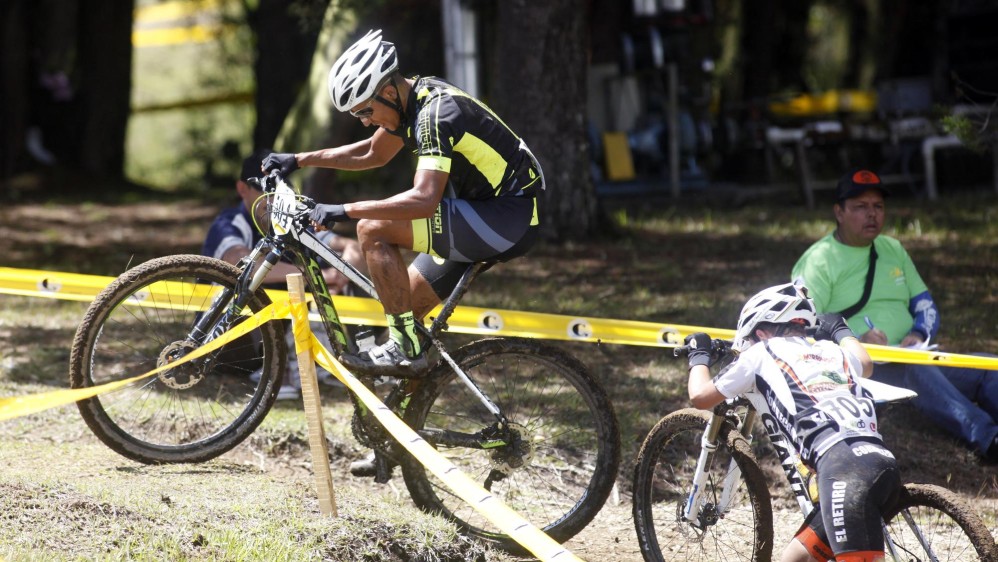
(717, 345)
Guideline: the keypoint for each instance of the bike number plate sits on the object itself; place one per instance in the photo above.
(283, 208)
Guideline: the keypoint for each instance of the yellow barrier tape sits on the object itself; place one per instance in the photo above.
(509, 521)
(920, 357)
(358, 310)
(17, 406)
(474, 320)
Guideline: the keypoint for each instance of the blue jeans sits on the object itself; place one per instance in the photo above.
(962, 401)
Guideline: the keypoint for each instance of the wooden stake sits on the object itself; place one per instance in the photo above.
(310, 394)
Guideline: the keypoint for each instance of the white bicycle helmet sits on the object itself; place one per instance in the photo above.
(356, 75)
(777, 305)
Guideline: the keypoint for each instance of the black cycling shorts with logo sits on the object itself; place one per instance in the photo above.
(857, 480)
(463, 232)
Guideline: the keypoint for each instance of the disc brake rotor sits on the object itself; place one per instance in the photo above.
(183, 376)
(517, 454)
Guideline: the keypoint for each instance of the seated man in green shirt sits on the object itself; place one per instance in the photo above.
(898, 310)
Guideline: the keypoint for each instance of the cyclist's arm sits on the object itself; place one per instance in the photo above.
(703, 394)
(853, 346)
(418, 202)
(373, 152)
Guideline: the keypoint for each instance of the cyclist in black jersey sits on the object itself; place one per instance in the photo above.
(474, 195)
(814, 394)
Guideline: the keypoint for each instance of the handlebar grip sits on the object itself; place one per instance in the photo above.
(717, 345)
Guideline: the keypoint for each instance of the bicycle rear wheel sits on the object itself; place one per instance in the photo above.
(191, 413)
(930, 523)
(663, 478)
(562, 460)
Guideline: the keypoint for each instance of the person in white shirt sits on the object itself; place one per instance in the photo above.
(813, 392)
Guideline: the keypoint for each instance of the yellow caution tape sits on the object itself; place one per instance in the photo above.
(17, 406)
(472, 320)
(920, 357)
(509, 521)
(358, 310)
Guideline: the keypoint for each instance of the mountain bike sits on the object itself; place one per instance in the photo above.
(524, 418)
(700, 494)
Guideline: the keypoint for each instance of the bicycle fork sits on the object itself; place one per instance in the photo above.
(694, 511)
(218, 318)
(708, 445)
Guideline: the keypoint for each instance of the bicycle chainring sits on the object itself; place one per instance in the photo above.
(369, 432)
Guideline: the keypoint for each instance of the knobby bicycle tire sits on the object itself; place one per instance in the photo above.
(191, 413)
(663, 477)
(949, 526)
(558, 475)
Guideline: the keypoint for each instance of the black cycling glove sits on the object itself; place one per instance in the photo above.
(832, 326)
(327, 215)
(283, 161)
(700, 349)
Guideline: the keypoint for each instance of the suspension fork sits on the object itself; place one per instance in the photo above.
(708, 445)
(734, 474)
(218, 317)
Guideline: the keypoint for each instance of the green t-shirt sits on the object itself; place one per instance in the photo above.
(835, 275)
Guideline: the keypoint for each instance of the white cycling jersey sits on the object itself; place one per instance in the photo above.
(812, 392)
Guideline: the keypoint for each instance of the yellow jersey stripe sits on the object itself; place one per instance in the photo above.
(483, 157)
(435, 163)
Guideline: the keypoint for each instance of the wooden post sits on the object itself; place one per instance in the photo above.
(310, 394)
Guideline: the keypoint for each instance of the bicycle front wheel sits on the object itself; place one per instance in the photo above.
(735, 521)
(558, 459)
(190, 413)
(930, 523)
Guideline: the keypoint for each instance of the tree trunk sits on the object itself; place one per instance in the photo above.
(105, 62)
(540, 92)
(283, 59)
(14, 96)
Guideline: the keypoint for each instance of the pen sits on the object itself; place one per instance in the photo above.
(869, 322)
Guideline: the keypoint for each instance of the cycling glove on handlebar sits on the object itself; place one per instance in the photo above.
(327, 215)
(700, 348)
(283, 161)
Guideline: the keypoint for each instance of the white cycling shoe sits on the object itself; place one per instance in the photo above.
(388, 360)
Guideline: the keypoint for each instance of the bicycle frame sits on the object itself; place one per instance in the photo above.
(726, 412)
(291, 236)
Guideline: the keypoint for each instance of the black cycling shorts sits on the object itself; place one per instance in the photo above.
(857, 481)
(463, 232)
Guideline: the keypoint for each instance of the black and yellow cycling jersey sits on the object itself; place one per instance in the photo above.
(450, 131)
